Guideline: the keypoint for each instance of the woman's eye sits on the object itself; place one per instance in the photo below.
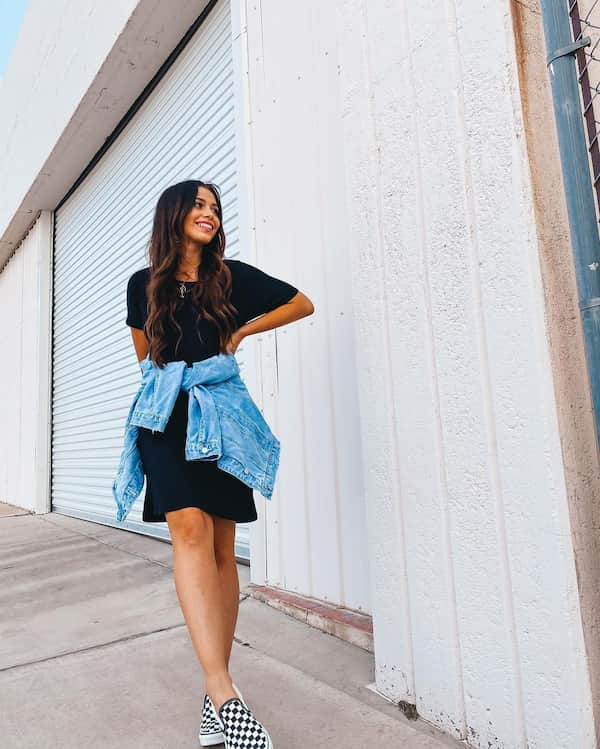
(198, 204)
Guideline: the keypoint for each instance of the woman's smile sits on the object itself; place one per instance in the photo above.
(203, 220)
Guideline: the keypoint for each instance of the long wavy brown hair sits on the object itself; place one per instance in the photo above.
(210, 295)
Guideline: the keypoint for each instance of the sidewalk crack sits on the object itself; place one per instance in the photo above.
(90, 648)
(107, 543)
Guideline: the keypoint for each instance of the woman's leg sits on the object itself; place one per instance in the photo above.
(198, 586)
(224, 539)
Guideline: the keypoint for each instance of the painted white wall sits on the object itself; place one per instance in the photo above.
(25, 380)
(475, 602)
(316, 540)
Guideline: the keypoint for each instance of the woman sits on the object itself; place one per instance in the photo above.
(189, 304)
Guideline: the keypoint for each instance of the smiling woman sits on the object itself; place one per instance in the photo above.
(187, 244)
(193, 304)
(195, 290)
(179, 305)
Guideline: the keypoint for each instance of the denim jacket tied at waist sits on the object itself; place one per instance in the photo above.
(224, 424)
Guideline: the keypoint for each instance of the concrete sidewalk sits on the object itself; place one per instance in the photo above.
(94, 652)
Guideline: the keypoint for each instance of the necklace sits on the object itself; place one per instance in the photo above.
(183, 289)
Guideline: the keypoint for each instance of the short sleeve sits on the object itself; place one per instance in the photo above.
(255, 292)
(136, 300)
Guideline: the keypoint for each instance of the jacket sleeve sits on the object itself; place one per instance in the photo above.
(255, 292)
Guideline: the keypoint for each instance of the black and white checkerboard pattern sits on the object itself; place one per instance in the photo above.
(211, 730)
(242, 730)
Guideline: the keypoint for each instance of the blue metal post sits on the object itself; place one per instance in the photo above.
(577, 180)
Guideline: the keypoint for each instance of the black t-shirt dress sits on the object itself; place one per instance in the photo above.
(172, 482)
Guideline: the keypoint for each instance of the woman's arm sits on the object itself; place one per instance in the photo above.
(298, 307)
(140, 343)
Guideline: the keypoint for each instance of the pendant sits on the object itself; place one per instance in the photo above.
(182, 290)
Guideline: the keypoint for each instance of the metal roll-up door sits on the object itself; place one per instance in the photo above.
(184, 129)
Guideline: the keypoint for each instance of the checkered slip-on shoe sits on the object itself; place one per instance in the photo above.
(211, 729)
(242, 730)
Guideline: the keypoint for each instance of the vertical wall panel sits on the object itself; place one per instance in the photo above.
(419, 650)
(315, 528)
(11, 403)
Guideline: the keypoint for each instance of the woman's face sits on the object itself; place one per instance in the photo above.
(202, 222)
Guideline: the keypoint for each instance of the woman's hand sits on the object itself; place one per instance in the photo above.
(234, 341)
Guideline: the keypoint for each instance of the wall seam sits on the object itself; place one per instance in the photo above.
(380, 241)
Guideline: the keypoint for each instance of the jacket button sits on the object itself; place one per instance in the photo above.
(205, 449)
(246, 470)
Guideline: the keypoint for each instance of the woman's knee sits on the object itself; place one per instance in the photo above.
(191, 526)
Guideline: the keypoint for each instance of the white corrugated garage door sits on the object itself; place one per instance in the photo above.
(185, 129)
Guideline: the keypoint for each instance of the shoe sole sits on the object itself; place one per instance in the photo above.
(216, 739)
(211, 739)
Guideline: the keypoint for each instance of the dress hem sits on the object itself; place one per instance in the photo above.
(208, 512)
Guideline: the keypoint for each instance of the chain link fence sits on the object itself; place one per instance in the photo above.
(585, 22)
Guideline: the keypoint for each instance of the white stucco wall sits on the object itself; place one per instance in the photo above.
(476, 608)
(24, 380)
